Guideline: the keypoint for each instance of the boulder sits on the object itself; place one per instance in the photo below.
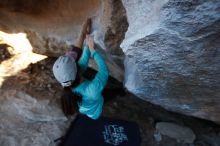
(27, 121)
(177, 132)
(172, 55)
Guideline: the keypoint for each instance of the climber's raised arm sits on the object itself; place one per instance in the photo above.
(85, 30)
(98, 83)
(75, 51)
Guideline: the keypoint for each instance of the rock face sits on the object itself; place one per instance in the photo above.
(25, 121)
(170, 48)
(172, 52)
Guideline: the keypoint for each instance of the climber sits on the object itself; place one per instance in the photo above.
(80, 94)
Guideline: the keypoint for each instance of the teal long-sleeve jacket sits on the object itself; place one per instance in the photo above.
(92, 99)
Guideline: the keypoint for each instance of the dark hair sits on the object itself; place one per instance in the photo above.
(69, 99)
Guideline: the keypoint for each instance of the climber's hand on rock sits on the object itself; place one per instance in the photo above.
(90, 42)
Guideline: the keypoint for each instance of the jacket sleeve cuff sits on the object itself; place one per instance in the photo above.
(86, 49)
(93, 52)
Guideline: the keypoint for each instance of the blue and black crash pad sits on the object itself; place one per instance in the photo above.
(101, 132)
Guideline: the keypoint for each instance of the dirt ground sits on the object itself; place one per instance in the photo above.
(37, 81)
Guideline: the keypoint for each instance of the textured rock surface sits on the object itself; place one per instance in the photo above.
(172, 52)
(25, 120)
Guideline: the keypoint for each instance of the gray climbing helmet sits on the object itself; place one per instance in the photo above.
(64, 69)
